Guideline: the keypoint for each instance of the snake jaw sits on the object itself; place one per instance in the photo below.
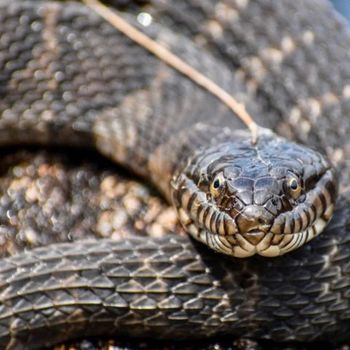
(270, 245)
(269, 240)
(265, 243)
(241, 245)
(225, 236)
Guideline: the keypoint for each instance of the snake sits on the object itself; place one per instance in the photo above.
(69, 78)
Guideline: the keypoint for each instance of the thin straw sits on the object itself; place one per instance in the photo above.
(175, 62)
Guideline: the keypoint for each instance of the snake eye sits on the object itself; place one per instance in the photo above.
(217, 184)
(294, 187)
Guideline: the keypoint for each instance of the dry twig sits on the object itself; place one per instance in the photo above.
(175, 62)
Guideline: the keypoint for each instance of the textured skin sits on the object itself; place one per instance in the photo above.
(282, 60)
(142, 114)
(312, 302)
(47, 197)
(136, 287)
(38, 189)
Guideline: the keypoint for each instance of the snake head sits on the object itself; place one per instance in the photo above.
(268, 198)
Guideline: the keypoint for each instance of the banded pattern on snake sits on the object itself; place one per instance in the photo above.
(55, 110)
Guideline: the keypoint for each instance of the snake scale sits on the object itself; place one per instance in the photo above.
(69, 78)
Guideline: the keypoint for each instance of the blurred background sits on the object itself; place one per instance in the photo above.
(343, 6)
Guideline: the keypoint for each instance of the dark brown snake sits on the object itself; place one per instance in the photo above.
(68, 78)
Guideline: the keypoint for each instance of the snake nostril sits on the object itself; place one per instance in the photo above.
(261, 221)
(254, 218)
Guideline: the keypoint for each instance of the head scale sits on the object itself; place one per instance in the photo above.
(243, 199)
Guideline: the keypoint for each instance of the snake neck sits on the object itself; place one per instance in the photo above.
(171, 158)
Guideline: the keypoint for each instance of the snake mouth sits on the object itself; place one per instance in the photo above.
(257, 242)
(254, 236)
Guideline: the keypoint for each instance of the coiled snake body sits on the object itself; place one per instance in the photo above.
(69, 78)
